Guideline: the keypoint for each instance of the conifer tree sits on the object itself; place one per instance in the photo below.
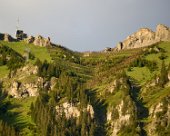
(163, 75)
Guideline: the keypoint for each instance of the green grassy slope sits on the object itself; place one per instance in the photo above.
(142, 74)
(20, 47)
(3, 71)
(99, 70)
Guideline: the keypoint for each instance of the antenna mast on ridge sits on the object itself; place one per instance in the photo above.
(17, 27)
(20, 35)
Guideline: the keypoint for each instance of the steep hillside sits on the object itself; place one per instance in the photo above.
(53, 91)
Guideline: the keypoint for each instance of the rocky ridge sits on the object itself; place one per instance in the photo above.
(38, 40)
(145, 37)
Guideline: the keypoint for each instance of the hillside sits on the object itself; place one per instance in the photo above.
(53, 91)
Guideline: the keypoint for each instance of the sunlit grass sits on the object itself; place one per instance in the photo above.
(37, 51)
(140, 74)
(157, 96)
(3, 71)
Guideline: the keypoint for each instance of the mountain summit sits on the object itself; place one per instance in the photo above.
(145, 37)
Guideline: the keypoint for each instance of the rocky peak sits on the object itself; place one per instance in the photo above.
(162, 33)
(145, 37)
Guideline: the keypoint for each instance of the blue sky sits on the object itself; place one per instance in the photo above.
(83, 25)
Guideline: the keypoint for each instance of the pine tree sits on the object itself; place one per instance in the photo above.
(168, 67)
(92, 129)
(163, 75)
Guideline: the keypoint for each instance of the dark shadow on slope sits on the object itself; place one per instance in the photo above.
(99, 112)
(13, 118)
(142, 111)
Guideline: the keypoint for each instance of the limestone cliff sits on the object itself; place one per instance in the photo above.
(159, 118)
(70, 110)
(121, 116)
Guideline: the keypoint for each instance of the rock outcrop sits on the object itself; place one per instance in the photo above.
(6, 37)
(159, 116)
(113, 86)
(145, 37)
(20, 90)
(70, 110)
(120, 117)
(14, 89)
(39, 41)
(27, 70)
(162, 33)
